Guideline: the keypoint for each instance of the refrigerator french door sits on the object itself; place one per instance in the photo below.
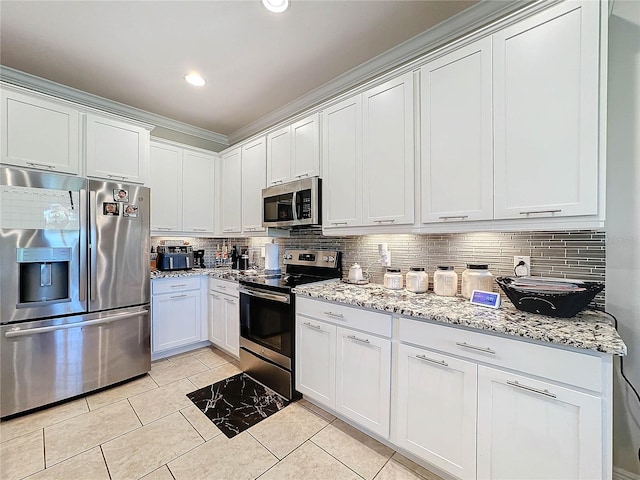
(74, 305)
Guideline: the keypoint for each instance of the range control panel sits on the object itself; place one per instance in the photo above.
(312, 258)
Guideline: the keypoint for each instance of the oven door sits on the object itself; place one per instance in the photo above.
(266, 324)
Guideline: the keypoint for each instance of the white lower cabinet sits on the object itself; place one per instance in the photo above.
(224, 315)
(316, 345)
(436, 409)
(533, 429)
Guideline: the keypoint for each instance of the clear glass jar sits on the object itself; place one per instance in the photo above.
(445, 281)
(476, 277)
(417, 280)
(393, 279)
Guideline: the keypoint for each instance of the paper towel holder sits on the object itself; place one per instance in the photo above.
(271, 258)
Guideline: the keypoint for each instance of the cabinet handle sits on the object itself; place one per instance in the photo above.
(227, 230)
(178, 286)
(221, 287)
(529, 212)
(178, 296)
(120, 177)
(199, 229)
(276, 182)
(164, 228)
(317, 327)
(302, 175)
(338, 223)
(357, 339)
(251, 229)
(384, 221)
(214, 295)
(461, 217)
(473, 347)
(335, 315)
(33, 164)
(230, 300)
(531, 389)
(427, 359)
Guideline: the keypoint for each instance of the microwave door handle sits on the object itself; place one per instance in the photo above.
(294, 205)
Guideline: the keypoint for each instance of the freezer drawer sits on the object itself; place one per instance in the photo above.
(50, 360)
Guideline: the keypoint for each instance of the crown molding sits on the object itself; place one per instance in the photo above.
(453, 28)
(42, 85)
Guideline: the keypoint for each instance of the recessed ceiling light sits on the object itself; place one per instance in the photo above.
(195, 79)
(276, 6)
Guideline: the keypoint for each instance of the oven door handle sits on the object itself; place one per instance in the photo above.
(254, 292)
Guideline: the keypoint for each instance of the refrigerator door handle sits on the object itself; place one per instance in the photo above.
(82, 283)
(88, 323)
(92, 251)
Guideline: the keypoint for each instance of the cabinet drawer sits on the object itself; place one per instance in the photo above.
(373, 322)
(223, 286)
(582, 370)
(177, 284)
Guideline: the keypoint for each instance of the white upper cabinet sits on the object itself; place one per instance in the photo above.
(198, 192)
(457, 135)
(166, 187)
(293, 152)
(39, 133)
(254, 172)
(342, 164)
(305, 148)
(546, 113)
(231, 185)
(388, 152)
(116, 150)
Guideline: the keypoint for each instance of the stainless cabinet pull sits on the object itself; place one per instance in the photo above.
(531, 389)
(529, 212)
(227, 230)
(178, 296)
(427, 359)
(214, 295)
(33, 164)
(164, 228)
(117, 176)
(302, 175)
(335, 315)
(473, 347)
(199, 229)
(230, 300)
(338, 223)
(461, 217)
(384, 221)
(221, 287)
(361, 340)
(178, 286)
(317, 327)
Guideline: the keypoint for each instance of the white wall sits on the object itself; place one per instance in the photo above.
(623, 222)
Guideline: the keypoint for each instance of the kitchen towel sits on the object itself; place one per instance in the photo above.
(271, 257)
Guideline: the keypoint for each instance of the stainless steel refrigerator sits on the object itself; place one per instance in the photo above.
(74, 286)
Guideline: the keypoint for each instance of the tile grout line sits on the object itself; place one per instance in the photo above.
(104, 459)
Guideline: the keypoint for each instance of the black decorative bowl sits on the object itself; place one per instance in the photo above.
(549, 296)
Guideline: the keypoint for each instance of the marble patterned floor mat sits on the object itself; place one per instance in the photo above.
(237, 403)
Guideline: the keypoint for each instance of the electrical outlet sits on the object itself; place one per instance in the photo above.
(262, 252)
(522, 270)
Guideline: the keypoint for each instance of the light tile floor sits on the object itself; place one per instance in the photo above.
(148, 428)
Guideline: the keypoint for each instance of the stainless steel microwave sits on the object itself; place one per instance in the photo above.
(292, 204)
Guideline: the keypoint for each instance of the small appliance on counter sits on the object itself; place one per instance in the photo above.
(175, 257)
(198, 259)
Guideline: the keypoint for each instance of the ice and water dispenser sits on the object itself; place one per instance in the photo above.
(43, 275)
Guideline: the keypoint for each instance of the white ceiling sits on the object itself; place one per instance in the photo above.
(137, 52)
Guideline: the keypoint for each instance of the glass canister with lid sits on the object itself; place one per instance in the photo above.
(445, 281)
(417, 280)
(393, 279)
(476, 277)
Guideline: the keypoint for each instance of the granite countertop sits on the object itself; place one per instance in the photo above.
(222, 273)
(590, 329)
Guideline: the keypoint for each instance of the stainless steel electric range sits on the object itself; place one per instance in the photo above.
(267, 316)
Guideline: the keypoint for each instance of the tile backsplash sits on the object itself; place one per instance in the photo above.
(565, 254)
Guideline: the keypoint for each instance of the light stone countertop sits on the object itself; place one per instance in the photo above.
(222, 273)
(590, 329)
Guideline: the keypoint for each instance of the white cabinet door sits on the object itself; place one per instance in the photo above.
(216, 316)
(197, 192)
(436, 409)
(316, 360)
(546, 113)
(305, 143)
(176, 320)
(279, 156)
(342, 164)
(166, 188)
(363, 379)
(532, 429)
(231, 185)
(254, 172)
(388, 152)
(232, 325)
(39, 133)
(116, 150)
(457, 135)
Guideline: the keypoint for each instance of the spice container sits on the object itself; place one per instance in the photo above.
(417, 280)
(393, 279)
(476, 277)
(445, 281)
